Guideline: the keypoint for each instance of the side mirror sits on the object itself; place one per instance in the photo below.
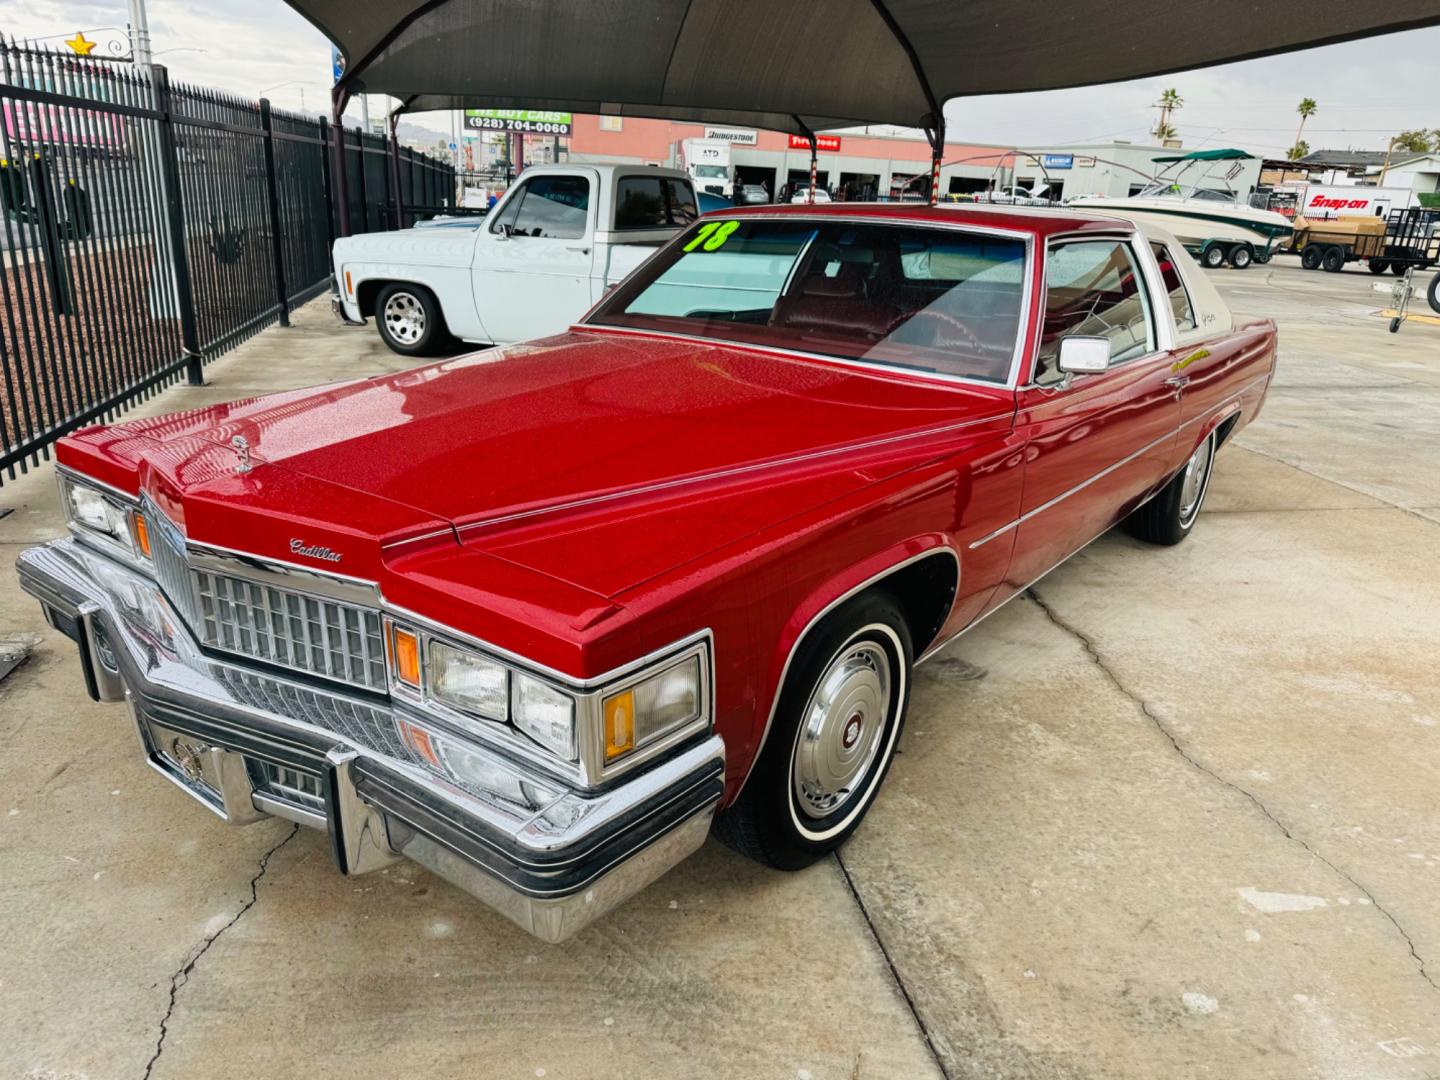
(1081, 355)
(504, 231)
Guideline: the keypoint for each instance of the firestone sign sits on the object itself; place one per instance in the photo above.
(533, 121)
(830, 144)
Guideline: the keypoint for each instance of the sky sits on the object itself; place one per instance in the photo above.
(1367, 90)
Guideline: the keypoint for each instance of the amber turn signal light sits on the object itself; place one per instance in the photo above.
(405, 655)
(619, 725)
(142, 535)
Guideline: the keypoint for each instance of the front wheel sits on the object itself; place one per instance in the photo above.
(1169, 516)
(409, 320)
(831, 739)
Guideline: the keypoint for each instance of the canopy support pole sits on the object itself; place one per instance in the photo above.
(813, 148)
(395, 170)
(936, 135)
(342, 182)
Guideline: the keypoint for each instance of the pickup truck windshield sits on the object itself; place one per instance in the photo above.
(929, 299)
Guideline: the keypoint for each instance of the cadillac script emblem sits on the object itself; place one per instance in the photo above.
(242, 451)
(313, 551)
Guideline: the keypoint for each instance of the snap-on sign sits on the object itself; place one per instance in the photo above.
(1325, 202)
(829, 143)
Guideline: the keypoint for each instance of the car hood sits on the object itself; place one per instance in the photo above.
(653, 448)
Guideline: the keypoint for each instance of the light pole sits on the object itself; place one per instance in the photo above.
(140, 35)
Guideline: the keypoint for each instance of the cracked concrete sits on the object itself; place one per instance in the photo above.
(182, 975)
(1045, 889)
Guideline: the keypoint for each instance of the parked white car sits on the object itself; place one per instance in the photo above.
(530, 267)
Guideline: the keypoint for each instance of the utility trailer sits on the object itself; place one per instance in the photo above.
(1406, 239)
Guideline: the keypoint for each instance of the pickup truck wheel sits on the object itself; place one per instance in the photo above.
(409, 320)
(1168, 517)
(832, 739)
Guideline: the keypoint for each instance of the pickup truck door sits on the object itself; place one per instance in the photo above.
(534, 258)
(1095, 443)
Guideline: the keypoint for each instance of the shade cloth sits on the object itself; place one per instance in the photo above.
(790, 65)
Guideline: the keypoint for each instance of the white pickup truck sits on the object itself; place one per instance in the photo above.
(542, 256)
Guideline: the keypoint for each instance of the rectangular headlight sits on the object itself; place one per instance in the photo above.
(99, 514)
(467, 681)
(651, 709)
(545, 714)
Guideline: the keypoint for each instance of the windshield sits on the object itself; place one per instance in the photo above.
(928, 299)
(710, 172)
(1184, 191)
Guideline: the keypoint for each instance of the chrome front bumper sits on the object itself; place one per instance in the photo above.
(337, 306)
(248, 744)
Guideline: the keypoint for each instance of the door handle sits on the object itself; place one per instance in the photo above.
(1178, 382)
(581, 250)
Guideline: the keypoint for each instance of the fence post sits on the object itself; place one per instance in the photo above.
(360, 175)
(327, 182)
(175, 216)
(272, 196)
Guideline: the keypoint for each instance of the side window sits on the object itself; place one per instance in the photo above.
(653, 202)
(548, 206)
(1093, 288)
(681, 200)
(640, 203)
(1175, 286)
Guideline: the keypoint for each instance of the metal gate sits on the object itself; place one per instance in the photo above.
(149, 226)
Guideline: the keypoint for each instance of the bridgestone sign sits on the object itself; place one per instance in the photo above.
(534, 121)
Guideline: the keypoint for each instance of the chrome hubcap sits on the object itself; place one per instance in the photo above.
(1192, 487)
(404, 318)
(841, 730)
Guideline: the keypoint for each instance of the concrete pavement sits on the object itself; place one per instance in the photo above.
(1171, 814)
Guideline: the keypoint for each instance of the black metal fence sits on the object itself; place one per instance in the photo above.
(149, 226)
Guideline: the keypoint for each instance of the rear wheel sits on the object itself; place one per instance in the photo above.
(1213, 257)
(1311, 256)
(1434, 294)
(1333, 261)
(1241, 256)
(1378, 266)
(409, 320)
(831, 740)
(1168, 517)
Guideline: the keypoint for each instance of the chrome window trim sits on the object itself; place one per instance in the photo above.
(1111, 468)
(1021, 330)
(1162, 331)
(815, 620)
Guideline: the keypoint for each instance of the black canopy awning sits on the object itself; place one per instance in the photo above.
(790, 65)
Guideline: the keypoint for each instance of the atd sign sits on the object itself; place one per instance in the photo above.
(830, 144)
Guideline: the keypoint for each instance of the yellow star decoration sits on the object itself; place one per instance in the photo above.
(79, 43)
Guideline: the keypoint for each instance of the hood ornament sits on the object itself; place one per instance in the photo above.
(242, 451)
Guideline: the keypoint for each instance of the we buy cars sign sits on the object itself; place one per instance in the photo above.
(828, 143)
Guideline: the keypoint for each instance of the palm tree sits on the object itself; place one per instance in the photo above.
(1299, 150)
(1307, 108)
(1170, 100)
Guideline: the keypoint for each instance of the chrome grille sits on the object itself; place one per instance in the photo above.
(291, 785)
(167, 551)
(291, 629)
(285, 627)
